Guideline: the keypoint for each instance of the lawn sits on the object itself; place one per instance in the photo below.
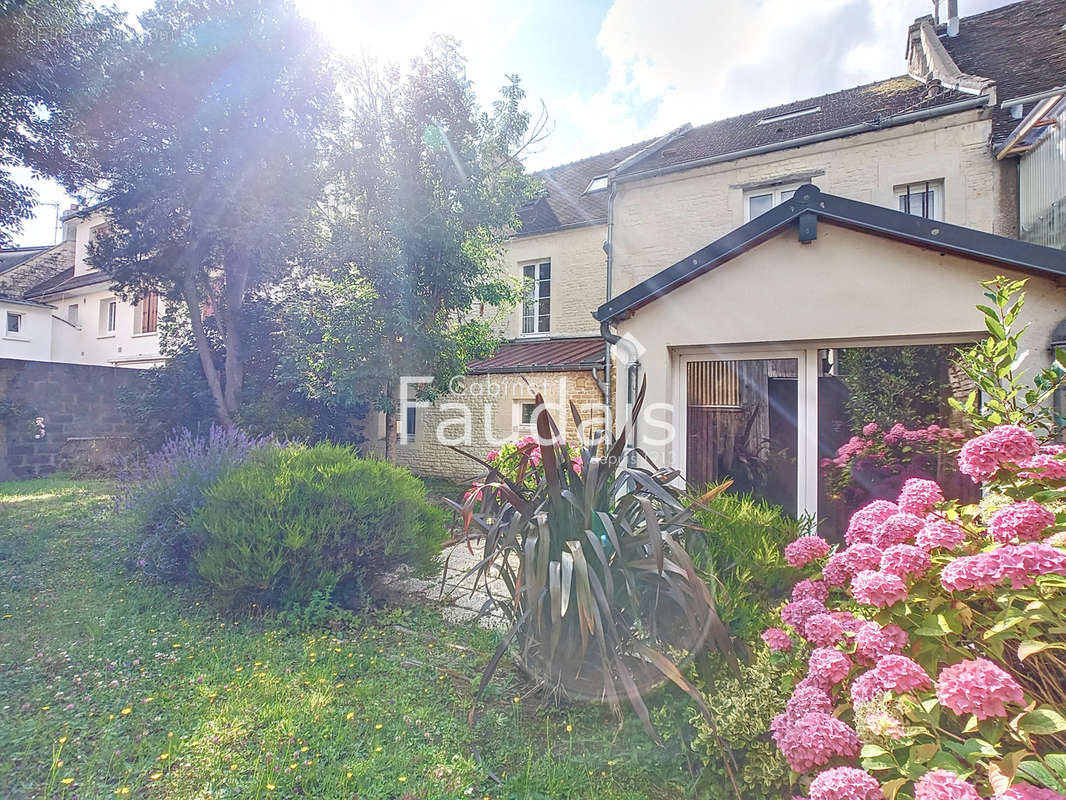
(111, 686)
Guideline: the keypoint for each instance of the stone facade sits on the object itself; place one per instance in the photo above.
(492, 405)
(661, 220)
(40, 268)
(75, 400)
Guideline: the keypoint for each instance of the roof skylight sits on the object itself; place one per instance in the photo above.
(790, 115)
(597, 184)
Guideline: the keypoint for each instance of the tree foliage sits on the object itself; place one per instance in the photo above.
(426, 187)
(54, 55)
(212, 163)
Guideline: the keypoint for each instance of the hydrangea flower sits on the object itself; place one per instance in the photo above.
(798, 612)
(862, 523)
(1024, 521)
(983, 456)
(1018, 564)
(901, 674)
(900, 528)
(978, 571)
(827, 667)
(869, 429)
(939, 533)
(1043, 467)
(905, 560)
(867, 687)
(808, 588)
(878, 589)
(977, 687)
(896, 635)
(777, 640)
(805, 549)
(815, 739)
(845, 783)
(872, 643)
(940, 784)
(823, 630)
(919, 495)
(836, 572)
(1026, 791)
(807, 699)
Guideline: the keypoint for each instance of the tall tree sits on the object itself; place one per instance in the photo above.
(213, 164)
(54, 55)
(425, 189)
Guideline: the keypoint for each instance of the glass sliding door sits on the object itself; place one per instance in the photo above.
(742, 423)
(884, 417)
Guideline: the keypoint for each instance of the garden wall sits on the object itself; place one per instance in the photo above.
(79, 404)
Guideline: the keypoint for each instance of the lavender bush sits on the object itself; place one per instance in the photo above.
(166, 488)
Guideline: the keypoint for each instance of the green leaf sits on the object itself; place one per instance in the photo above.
(1042, 721)
(1030, 647)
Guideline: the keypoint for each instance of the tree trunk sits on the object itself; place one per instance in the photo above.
(236, 281)
(203, 347)
(390, 425)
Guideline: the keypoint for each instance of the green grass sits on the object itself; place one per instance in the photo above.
(111, 686)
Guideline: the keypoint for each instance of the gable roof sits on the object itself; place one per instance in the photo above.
(542, 355)
(1021, 46)
(65, 281)
(848, 112)
(808, 205)
(13, 256)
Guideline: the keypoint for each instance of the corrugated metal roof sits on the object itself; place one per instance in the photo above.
(542, 355)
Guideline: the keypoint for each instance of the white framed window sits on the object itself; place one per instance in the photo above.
(923, 199)
(108, 316)
(14, 326)
(523, 415)
(72, 313)
(536, 307)
(409, 434)
(759, 201)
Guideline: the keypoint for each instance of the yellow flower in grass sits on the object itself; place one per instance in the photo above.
(126, 711)
(123, 791)
(377, 749)
(164, 756)
(62, 739)
(402, 779)
(350, 715)
(155, 776)
(377, 727)
(67, 781)
(270, 787)
(569, 728)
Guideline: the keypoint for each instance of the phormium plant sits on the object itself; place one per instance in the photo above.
(601, 595)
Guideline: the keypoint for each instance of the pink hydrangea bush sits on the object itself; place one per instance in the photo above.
(918, 634)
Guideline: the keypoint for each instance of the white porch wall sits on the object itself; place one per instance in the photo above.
(89, 345)
(844, 287)
(34, 341)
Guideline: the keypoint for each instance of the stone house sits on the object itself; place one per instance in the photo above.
(57, 308)
(738, 275)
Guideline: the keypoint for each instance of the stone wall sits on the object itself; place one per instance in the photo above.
(29, 273)
(75, 400)
(491, 404)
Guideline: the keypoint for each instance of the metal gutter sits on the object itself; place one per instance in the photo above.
(1032, 98)
(837, 133)
(572, 226)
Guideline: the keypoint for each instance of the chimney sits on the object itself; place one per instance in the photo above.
(70, 226)
(953, 18)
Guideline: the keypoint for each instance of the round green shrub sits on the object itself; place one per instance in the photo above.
(296, 521)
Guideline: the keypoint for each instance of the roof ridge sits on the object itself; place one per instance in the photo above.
(996, 10)
(643, 142)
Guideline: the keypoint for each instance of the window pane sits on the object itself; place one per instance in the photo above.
(759, 204)
(527, 412)
(545, 271)
(884, 417)
(72, 314)
(921, 203)
(527, 323)
(14, 323)
(787, 195)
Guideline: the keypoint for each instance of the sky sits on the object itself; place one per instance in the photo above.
(614, 72)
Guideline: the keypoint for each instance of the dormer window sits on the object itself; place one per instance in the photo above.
(598, 184)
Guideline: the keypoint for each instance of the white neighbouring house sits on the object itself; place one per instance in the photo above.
(55, 307)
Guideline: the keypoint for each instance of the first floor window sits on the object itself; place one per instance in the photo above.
(72, 313)
(147, 314)
(536, 308)
(108, 316)
(14, 322)
(759, 201)
(921, 199)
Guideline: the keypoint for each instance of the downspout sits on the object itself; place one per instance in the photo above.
(608, 249)
(632, 374)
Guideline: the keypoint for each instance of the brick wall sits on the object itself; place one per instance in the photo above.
(76, 400)
(29, 273)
